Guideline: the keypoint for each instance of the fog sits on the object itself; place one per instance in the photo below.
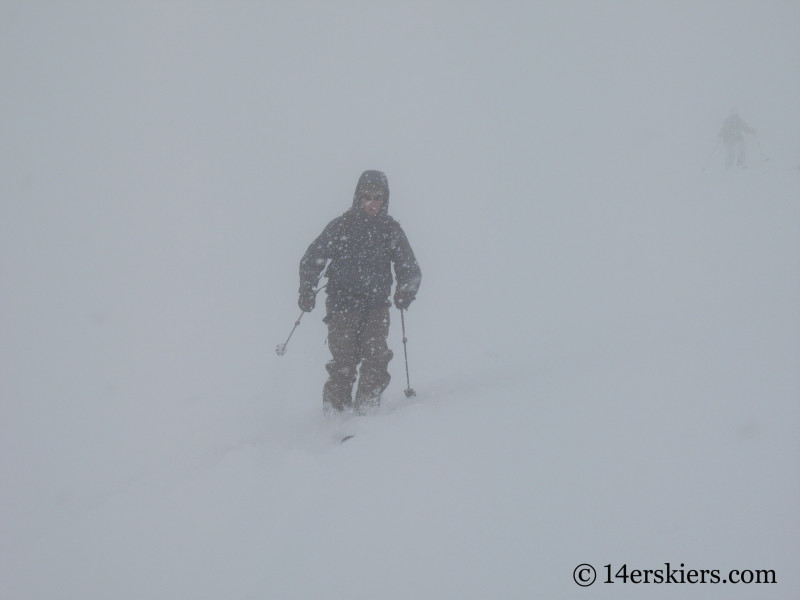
(605, 345)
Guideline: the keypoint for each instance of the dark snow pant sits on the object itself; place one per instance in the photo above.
(357, 337)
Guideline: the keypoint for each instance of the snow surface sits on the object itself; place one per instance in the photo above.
(606, 345)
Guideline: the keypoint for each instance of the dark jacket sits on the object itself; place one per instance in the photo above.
(361, 250)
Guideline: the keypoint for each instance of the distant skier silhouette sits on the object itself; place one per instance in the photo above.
(732, 135)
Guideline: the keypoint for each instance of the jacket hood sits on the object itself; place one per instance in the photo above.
(372, 181)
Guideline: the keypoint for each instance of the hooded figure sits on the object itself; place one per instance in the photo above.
(362, 245)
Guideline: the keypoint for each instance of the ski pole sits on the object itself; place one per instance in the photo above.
(280, 349)
(408, 391)
(712, 155)
(760, 151)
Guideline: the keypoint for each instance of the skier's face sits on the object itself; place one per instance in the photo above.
(372, 203)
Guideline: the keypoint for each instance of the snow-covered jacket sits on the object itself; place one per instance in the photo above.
(361, 250)
(733, 129)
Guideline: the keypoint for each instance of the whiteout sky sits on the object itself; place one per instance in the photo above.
(606, 344)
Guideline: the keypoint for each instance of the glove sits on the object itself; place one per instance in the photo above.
(307, 301)
(403, 299)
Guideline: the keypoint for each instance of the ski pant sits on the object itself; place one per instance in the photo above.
(357, 336)
(736, 154)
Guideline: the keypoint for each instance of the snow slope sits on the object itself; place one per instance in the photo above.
(606, 345)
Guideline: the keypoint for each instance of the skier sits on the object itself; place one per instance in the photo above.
(361, 245)
(732, 135)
